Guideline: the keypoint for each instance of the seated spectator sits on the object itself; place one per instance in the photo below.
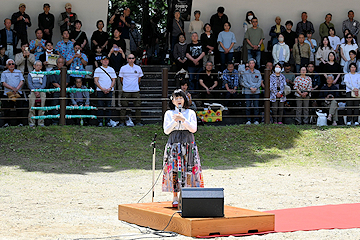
(104, 78)
(226, 40)
(65, 46)
(323, 51)
(25, 60)
(184, 84)
(313, 45)
(208, 81)
(352, 80)
(116, 41)
(346, 48)
(346, 32)
(301, 53)
(8, 39)
(36, 81)
(77, 61)
(13, 81)
(209, 43)
(196, 25)
(38, 45)
(332, 67)
(3, 59)
(117, 60)
(49, 51)
(353, 59)
(304, 25)
(230, 83)
(46, 22)
(329, 93)
(277, 95)
(67, 19)
(80, 99)
(195, 54)
(100, 37)
(254, 37)
(325, 26)
(79, 37)
(252, 82)
(334, 40)
(281, 51)
(276, 30)
(180, 53)
(135, 39)
(302, 87)
(55, 82)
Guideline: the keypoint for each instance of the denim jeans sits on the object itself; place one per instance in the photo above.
(104, 104)
(225, 59)
(252, 99)
(194, 77)
(255, 54)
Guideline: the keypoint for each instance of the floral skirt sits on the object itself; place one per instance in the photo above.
(182, 167)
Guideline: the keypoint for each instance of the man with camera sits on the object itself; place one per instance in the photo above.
(25, 60)
(67, 19)
(21, 22)
(122, 20)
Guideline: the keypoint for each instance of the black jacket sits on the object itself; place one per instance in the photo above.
(20, 26)
(3, 40)
(46, 21)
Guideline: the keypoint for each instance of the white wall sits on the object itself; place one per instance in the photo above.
(88, 12)
(267, 10)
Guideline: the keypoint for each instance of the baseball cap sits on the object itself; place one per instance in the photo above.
(68, 5)
(104, 57)
(22, 4)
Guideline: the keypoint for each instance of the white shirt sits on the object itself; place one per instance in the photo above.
(131, 77)
(334, 41)
(346, 49)
(104, 79)
(352, 81)
(190, 122)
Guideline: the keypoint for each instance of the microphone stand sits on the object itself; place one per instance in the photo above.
(153, 143)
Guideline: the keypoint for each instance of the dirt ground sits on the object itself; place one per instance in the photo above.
(38, 205)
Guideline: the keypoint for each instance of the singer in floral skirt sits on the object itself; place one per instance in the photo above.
(182, 167)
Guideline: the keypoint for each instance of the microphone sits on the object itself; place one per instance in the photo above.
(180, 107)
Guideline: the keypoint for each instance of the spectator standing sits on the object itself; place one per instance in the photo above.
(13, 81)
(99, 37)
(180, 53)
(117, 41)
(65, 46)
(218, 20)
(351, 24)
(334, 40)
(176, 28)
(117, 60)
(104, 78)
(80, 99)
(325, 26)
(3, 59)
(281, 51)
(276, 30)
(352, 81)
(301, 52)
(135, 39)
(36, 81)
(67, 19)
(46, 22)
(77, 61)
(277, 95)
(346, 48)
(25, 60)
(246, 25)
(329, 93)
(208, 81)
(196, 25)
(254, 37)
(79, 37)
(195, 54)
(130, 76)
(209, 43)
(304, 25)
(302, 87)
(226, 40)
(230, 83)
(21, 22)
(38, 45)
(123, 22)
(313, 44)
(252, 82)
(44, 58)
(8, 39)
(290, 39)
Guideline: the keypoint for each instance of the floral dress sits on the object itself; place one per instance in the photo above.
(182, 167)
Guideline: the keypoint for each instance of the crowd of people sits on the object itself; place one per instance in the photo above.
(300, 65)
(24, 70)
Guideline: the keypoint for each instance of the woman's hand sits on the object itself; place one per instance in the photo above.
(278, 95)
(179, 117)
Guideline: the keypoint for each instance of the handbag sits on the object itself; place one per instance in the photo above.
(287, 90)
(353, 94)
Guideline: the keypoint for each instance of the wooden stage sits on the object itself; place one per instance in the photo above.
(157, 215)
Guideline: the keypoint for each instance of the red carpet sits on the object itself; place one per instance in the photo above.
(343, 216)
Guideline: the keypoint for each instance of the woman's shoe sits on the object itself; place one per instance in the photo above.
(334, 123)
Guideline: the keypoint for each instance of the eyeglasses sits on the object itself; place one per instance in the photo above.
(349, 37)
(11, 63)
(131, 58)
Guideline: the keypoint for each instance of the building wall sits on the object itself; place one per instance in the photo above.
(267, 10)
(88, 12)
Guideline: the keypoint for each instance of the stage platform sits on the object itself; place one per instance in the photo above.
(157, 215)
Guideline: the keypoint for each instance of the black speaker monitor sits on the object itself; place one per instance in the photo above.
(202, 202)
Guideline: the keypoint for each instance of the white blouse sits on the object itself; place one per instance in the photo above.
(352, 81)
(190, 122)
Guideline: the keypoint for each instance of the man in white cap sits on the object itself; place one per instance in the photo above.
(21, 22)
(66, 19)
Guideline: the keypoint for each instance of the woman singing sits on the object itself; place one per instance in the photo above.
(182, 166)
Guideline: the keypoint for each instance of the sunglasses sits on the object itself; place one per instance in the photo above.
(131, 58)
(349, 37)
(11, 63)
